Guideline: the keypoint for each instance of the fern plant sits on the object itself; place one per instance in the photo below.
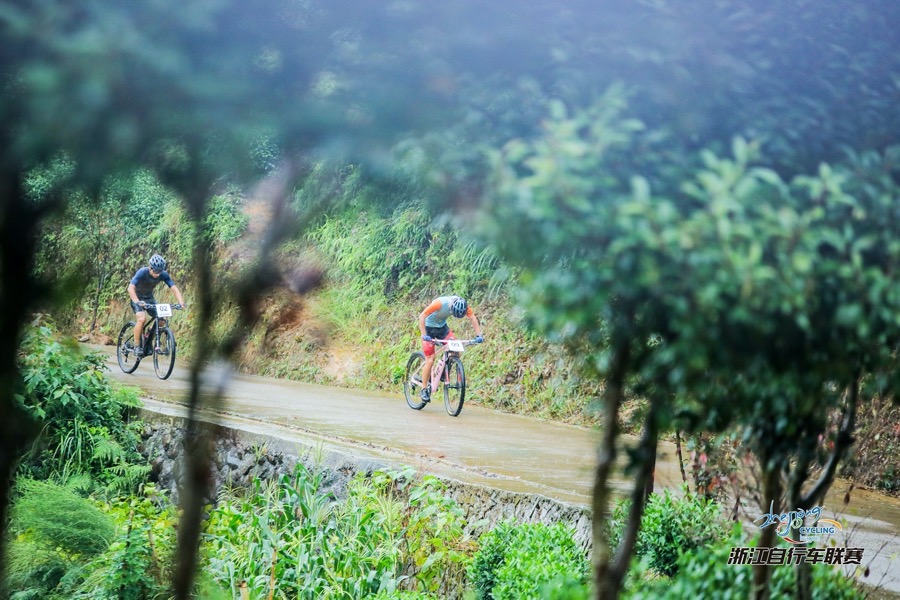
(85, 426)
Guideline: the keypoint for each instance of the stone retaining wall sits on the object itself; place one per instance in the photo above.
(241, 456)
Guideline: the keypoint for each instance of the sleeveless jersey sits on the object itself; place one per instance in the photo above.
(440, 310)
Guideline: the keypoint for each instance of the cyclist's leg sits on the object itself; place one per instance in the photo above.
(428, 351)
(439, 333)
(140, 317)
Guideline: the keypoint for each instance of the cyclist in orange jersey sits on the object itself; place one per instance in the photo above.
(433, 325)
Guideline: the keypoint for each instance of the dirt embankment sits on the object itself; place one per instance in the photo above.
(874, 460)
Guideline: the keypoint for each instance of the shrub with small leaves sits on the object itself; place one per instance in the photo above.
(670, 526)
(529, 561)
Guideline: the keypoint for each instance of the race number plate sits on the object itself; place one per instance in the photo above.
(164, 310)
(455, 346)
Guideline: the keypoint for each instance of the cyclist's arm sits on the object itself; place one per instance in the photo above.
(177, 293)
(132, 293)
(474, 320)
(433, 307)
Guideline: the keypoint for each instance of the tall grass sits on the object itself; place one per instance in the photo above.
(291, 539)
(385, 266)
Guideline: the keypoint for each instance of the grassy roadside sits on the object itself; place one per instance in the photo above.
(335, 338)
(357, 331)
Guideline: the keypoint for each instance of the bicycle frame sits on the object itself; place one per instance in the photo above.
(156, 322)
(447, 348)
(153, 327)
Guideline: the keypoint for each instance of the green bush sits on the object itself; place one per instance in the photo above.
(61, 518)
(225, 220)
(528, 561)
(137, 563)
(670, 526)
(83, 419)
(483, 570)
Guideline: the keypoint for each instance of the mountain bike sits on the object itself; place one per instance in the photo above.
(156, 339)
(447, 372)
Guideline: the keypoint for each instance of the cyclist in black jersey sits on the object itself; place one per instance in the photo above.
(141, 292)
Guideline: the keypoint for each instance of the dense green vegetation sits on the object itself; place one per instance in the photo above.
(696, 203)
(670, 527)
(86, 439)
(97, 243)
(392, 532)
(514, 562)
(86, 524)
(74, 532)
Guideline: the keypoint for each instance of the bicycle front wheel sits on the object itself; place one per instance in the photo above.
(125, 349)
(454, 386)
(412, 381)
(164, 354)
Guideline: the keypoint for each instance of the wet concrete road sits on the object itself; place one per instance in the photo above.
(480, 446)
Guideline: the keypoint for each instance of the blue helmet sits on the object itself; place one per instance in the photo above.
(459, 307)
(157, 263)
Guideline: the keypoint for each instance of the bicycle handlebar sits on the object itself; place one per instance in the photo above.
(148, 305)
(444, 342)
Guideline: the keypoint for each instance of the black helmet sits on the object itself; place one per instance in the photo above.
(157, 263)
(459, 307)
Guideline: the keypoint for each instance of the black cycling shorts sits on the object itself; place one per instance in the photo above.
(438, 333)
(149, 311)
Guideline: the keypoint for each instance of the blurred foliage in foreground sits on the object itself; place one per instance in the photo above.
(87, 440)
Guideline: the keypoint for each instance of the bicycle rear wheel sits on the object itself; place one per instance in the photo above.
(412, 381)
(164, 355)
(454, 386)
(125, 349)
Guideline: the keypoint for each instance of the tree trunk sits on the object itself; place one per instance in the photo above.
(680, 454)
(844, 440)
(197, 450)
(643, 481)
(18, 293)
(101, 278)
(606, 586)
(772, 497)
